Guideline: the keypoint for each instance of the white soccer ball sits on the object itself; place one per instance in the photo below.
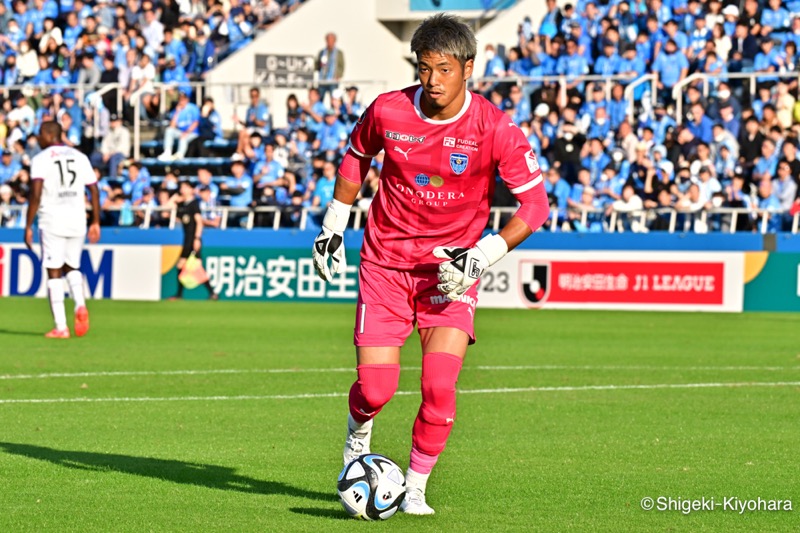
(371, 487)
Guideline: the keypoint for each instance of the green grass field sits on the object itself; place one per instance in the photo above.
(216, 416)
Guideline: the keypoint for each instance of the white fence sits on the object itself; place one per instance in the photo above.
(700, 221)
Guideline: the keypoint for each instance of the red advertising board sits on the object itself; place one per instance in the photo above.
(631, 282)
(669, 281)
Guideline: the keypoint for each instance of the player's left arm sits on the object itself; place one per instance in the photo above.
(94, 224)
(519, 168)
(33, 206)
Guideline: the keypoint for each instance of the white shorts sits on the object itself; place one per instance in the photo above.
(58, 251)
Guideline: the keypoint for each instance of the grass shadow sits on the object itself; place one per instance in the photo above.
(23, 333)
(202, 475)
(330, 514)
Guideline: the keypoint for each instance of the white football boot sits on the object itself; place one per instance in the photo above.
(358, 438)
(414, 502)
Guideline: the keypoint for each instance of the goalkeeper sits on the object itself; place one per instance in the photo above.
(423, 253)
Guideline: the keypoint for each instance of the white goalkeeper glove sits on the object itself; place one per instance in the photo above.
(466, 265)
(329, 244)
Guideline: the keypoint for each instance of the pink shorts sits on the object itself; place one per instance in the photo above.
(390, 302)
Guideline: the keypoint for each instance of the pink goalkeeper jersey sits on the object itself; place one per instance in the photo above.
(438, 176)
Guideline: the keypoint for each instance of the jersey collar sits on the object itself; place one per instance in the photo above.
(450, 120)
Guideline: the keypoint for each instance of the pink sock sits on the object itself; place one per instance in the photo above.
(422, 463)
(438, 410)
(375, 386)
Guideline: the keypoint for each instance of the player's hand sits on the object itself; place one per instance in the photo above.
(197, 245)
(29, 238)
(94, 233)
(329, 244)
(466, 265)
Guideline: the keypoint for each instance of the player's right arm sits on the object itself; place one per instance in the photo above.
(365, 143)
(33, 206)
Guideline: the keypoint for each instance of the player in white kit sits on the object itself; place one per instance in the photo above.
(60, 176)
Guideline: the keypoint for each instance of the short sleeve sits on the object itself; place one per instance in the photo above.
(366, 139)
(516, 162)
(37, 168)
(87, 172)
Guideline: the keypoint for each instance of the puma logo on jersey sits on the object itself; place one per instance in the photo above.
(404, 152)
(448, 420)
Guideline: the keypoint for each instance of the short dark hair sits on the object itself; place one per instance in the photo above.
(445, 34)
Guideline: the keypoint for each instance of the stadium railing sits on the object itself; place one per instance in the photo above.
(727, 217)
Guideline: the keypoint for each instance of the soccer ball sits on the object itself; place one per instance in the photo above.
(371, 487)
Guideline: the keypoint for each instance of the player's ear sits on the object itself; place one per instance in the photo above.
(468, 66)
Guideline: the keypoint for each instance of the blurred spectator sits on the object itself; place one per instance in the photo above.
(209, 129)
(257, 120)
(238, 188)
(9, 169)
(205, 179)
(115, 147)
(183, 128)
(330, 63)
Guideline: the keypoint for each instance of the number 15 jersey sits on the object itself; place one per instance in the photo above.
(65, 173)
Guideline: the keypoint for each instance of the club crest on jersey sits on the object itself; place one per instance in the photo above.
(458, 163)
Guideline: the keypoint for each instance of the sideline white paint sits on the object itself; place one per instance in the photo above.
(402, 393)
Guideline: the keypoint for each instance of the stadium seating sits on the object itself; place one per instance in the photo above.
(678, 117)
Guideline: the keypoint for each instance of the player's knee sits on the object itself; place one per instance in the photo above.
(439, 395)
(376, 395)
(439, 375)
(377, 384)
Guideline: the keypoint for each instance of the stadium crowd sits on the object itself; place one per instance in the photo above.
(730, 148)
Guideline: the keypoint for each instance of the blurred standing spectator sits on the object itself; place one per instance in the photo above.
(313, 111)
(572, 65)
(352, 108)
(142, 77)
(552, 20)
(330, 64)
(152, 29)
(672, 66)
(257, 120)
(110, 74)
(115, 148)
(323, 188)
(183, 128)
